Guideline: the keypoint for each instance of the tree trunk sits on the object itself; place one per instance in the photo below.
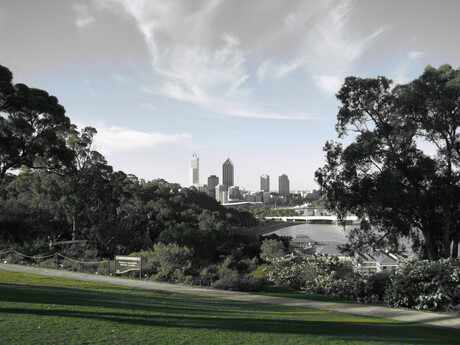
(430, 246)
(455, 248)
(446, 238)
(74, 228)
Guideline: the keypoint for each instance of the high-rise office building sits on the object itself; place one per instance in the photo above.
(283, 185)
(227, 173)
(194, 170)
(264, 183)
(213, 181)
(221, 194)
(233, 193)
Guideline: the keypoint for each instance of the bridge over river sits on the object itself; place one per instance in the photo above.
(316, 219)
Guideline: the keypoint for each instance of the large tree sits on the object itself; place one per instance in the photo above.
(31, 124)
(400, 172)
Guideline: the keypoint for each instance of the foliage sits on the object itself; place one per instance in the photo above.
(287, 271)
(327, 275)
(171, 262)
(76, 195)
(269, 211)
(31, 127)
(272, 249)
(425, 285)
(383, 176)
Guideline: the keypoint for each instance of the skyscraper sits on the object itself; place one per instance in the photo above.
(283, 185)
(213, 181)
(227, 173)
(264, 183)
(194, 169)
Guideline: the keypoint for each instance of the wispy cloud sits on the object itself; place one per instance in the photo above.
(203, 58)
(111, 140)
(408, 65)
(84, 18)
(328, 83)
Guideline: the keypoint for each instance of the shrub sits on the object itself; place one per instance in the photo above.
(425, 285)
(287, 271)
(246, 283)
(171, 262)
(375, 286)
(208, 275)
(47, 263)
(272, 249)
(329, 284)
(309, 273)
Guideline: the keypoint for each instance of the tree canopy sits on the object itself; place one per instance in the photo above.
(400, 172)
(31, 124)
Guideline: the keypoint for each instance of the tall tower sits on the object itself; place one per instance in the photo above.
(264, 183)
(227, 173)
(283, 185)
(194, 169)
(213, 181)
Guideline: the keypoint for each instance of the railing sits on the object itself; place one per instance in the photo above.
(57, 261)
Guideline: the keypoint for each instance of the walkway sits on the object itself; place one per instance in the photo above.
(405, 315)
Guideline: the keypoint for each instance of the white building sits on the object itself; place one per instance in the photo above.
(194, 170)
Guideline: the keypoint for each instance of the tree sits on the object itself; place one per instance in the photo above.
(31, 126)
(384, 176)
(272, 249)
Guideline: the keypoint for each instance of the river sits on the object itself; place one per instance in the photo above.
(317, 232)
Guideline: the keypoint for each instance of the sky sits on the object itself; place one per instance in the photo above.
(251, 80)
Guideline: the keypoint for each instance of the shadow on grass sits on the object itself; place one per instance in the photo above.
(189, 312)
(146, 301)
(274, 291)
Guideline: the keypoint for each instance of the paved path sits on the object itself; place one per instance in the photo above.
(405, 315)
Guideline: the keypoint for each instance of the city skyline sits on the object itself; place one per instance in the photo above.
(255, 81)
(228, 171)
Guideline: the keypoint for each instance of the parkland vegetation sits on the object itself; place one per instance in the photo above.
(400, 174)
(55, 190)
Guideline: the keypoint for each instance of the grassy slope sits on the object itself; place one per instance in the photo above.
(45, 310)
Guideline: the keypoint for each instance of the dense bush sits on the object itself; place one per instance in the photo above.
(272, 249)
(247, 283)
(320, 274)
(167, 262)
(425, 285)
(287, 271)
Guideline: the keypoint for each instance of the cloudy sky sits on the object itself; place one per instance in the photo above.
(250, 80)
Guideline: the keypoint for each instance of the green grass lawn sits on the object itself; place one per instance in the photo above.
(276, 291)
(46, 310)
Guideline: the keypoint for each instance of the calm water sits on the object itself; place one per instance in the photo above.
(317, 232)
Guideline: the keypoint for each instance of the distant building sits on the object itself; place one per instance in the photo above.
(219, 190)
(376, 262)
(264, 183)
(227, 173)
(234, 193)
(194, 170)
(201, 187)
(266, 197)
(250, 198)
(283, 185)
(213, 181)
